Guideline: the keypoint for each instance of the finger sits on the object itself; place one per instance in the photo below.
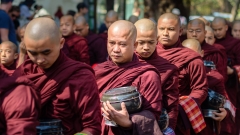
(123, 107)
(110, 106)
(105, 112)
(105, 106)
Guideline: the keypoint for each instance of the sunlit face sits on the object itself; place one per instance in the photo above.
(43, 52)
(219, 30)
(146, 43)
(81, 29)
(209, 38)
(236, 30)
(168, 31)
(66, 26)
(21, 33)
(8, 54)
(110, 20)
(196, 31)
(120, 45)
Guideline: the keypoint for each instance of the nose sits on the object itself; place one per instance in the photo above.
(40, 60)
(165, 32)
(3, 54)
(116, 49)
(146, 47)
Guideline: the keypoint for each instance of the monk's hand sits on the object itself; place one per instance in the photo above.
(221, 115)
(120, 117)
(229, 70)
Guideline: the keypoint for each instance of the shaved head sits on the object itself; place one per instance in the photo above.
(110, 18)
(219, 20)
(68, 18)
(209, 36)
(204, 20)
(111, 14)
(8, 51)
(146, 25)
(196, 30)
(208, 28)
(80, 20)
(192, 44)
(170, 16)
(81, 26)
(66, 25)
(133, 19)
(197, 22)
(11, 45)
(220, 27)
(42, 28)
(236, 29)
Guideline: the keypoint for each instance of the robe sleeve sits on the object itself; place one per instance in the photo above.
(150, 89)
(198, 80)
(82, 48)
(100, 50)
(237, 54)
(20, 110)
(85, 102)
(171, 98)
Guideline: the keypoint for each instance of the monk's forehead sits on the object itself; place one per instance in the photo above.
(236, 24)
(170, 16)
(196, 23)
(123, 27)
(145, 25)
(67, 18)
(219, 21)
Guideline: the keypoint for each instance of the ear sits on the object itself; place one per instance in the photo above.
(180, 31)
(15, 56)
(135, 45)
(226, 27)
(205, 32)
(62, 41)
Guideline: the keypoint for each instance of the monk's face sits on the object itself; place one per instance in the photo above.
(219, 29)
(8, 55)
(81, 29)
(43, 52)
(168, 31)
(236, 30)
(196, 31)
(110, 20)
(120, 46)
(146, 43)
(66, 26)
(209, 37)
(21, 33)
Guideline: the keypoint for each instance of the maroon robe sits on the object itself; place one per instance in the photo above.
(213, 54)
(20, 106)
(76, 48)
(141, 75)
(9, 69)
(192, 78)
(97, 48)
(232, 47)
(68, 92)
(169, 80)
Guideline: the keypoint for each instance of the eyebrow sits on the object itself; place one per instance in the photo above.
(44, 51)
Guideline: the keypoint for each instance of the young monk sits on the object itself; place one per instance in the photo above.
(96, 44)
(9, 55)
(196, 30)
(75, 46)
(236, 29)
(232, 46)
(192, 76)
(146, 52)
(68, 88)
(124, 69)
(216, 83)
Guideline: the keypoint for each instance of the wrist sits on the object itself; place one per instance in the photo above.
(128, 124)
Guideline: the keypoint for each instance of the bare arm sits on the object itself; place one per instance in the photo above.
(4, 34)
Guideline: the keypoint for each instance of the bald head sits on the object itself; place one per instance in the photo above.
(209, 36)
(111, 14)
(220, 27)
(110, 18)
(217, 20)
(236, 29)
(80, 20)
(205, 21)
(208, 28)
(68, 18)
(42, 28)
(10, 45)
(192, 44)
(133, 19)
(81, 26)
(146, 25)
(170, 16)
(197, 22)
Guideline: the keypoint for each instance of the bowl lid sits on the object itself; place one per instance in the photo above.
(120, 90)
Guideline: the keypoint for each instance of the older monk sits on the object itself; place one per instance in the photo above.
(232, 46)
(192, 87)
(96, 44)
(68, 88)
(196, 30)
(75, 46)
(124, 69)
(146, 51)
(236, 29)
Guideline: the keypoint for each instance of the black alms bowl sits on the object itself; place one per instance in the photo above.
(214, 101)
(50, 127)
(129, 95)
(163, 121)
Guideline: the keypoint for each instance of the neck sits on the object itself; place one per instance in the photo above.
(4, 7)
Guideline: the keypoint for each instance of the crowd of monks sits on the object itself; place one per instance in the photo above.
(62, 73)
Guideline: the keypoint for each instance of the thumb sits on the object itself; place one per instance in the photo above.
(123, 107)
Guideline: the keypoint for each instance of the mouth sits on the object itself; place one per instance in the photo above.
(116, 56)
(146, 53)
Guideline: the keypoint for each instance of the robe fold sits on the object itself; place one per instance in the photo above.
(141, 75)
(192, 77)
(211, 53)
(10, 69)
(169, 80)
(68, 92)
(19, 106)
(97, 48)
(76, 48)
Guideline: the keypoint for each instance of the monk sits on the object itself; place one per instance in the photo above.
(192, 86)
(146, 51)
(124, 69)
(232, 46)
(216, 83)
(206, 22)
(9, 56)
(21, 32)
(236, 29)
(67, 88)
(196, 30)
(75, 46)
(110, 18)
(96, 44)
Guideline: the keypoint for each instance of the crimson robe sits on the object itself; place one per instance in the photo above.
(20, 105)
(141, 75)
(232, 47)
(211, 53)
(68, 92)
(97, 48)
(169, 80)
(76, 48)
(9, 69)
(192, 78)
